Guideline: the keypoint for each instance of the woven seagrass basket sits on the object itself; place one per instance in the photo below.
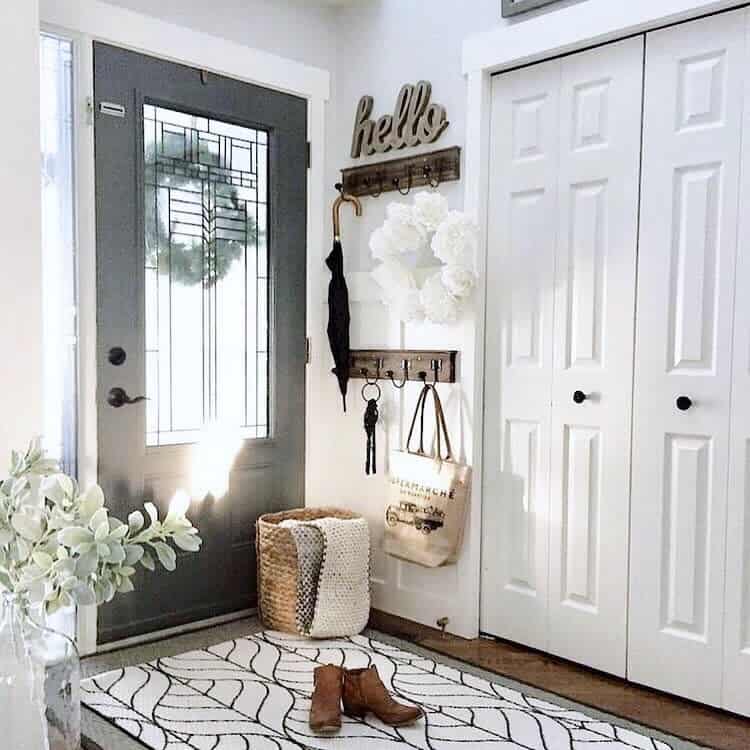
(277, 564)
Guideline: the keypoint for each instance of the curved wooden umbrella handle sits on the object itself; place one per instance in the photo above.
(343, 198)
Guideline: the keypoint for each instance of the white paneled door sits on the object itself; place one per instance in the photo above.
(561, 271)
(518, 374)
(688, 242)
(597, 221)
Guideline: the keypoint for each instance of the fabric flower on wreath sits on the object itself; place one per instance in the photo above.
(430, 210)
(440, 306)
(398, 289)
(382, 246)
(455, 240)
(401, 229)
(458, 280)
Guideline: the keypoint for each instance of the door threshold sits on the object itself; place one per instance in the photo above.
(158, 635)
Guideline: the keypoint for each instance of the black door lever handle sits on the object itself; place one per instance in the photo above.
(118, 397)
(579, 397)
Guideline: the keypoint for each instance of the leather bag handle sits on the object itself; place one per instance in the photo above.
(418, 410)
(441, 426)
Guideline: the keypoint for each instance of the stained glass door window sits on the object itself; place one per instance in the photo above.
(206, 276)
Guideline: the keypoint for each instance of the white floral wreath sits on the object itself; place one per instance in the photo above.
(452, 236)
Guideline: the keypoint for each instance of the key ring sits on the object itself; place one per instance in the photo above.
(374, 384)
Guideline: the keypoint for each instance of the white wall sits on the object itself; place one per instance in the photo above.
(20, 245)
(298, 31)
(381, 45)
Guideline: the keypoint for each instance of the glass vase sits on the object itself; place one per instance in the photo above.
(40, 702)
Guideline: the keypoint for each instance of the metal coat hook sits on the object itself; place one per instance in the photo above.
(433, 182)
(405, 367)
(368, 182)
(366, 373)
(435, 368)
(397, 182)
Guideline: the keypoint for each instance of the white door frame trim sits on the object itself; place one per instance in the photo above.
(559, 32)
(87, 21)
(125, 28)
(509, 46)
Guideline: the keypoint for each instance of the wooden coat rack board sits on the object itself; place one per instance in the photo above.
(400, 365)
(403, 174)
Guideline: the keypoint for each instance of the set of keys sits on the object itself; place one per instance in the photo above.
(370, 422)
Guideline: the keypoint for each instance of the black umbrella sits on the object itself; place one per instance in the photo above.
(338, 298)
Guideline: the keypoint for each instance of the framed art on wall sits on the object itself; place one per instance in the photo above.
(513, 7)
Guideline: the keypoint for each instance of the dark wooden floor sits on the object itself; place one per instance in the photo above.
(702, 725)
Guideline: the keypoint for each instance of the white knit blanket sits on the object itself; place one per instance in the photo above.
(342, 601)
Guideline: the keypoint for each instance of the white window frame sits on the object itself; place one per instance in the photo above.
(88, 21)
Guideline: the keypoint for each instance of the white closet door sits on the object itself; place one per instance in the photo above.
(597, 219)
(688, 236)
(736, 688)
(520, 280)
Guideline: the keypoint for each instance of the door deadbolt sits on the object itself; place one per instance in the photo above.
(116, 356)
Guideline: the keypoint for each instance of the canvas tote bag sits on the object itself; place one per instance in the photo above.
(428, 495)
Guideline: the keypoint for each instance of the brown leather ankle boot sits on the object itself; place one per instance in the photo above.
(325, 709)
(364, 691)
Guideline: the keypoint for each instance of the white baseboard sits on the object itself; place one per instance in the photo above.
(158, 635)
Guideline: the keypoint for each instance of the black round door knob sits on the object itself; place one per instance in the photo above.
(116, 356)
(579, 397)
(683, 403)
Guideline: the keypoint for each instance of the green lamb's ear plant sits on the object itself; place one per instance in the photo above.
(59, 546)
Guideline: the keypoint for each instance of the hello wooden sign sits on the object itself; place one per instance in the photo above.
(414, 120)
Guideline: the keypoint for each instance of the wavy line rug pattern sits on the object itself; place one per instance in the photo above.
(253, 693)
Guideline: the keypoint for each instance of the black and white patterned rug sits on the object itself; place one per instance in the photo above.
(253, 693)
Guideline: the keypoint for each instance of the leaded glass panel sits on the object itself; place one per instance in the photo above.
(206, 285)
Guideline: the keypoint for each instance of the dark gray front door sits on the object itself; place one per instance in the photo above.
(201, 201)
